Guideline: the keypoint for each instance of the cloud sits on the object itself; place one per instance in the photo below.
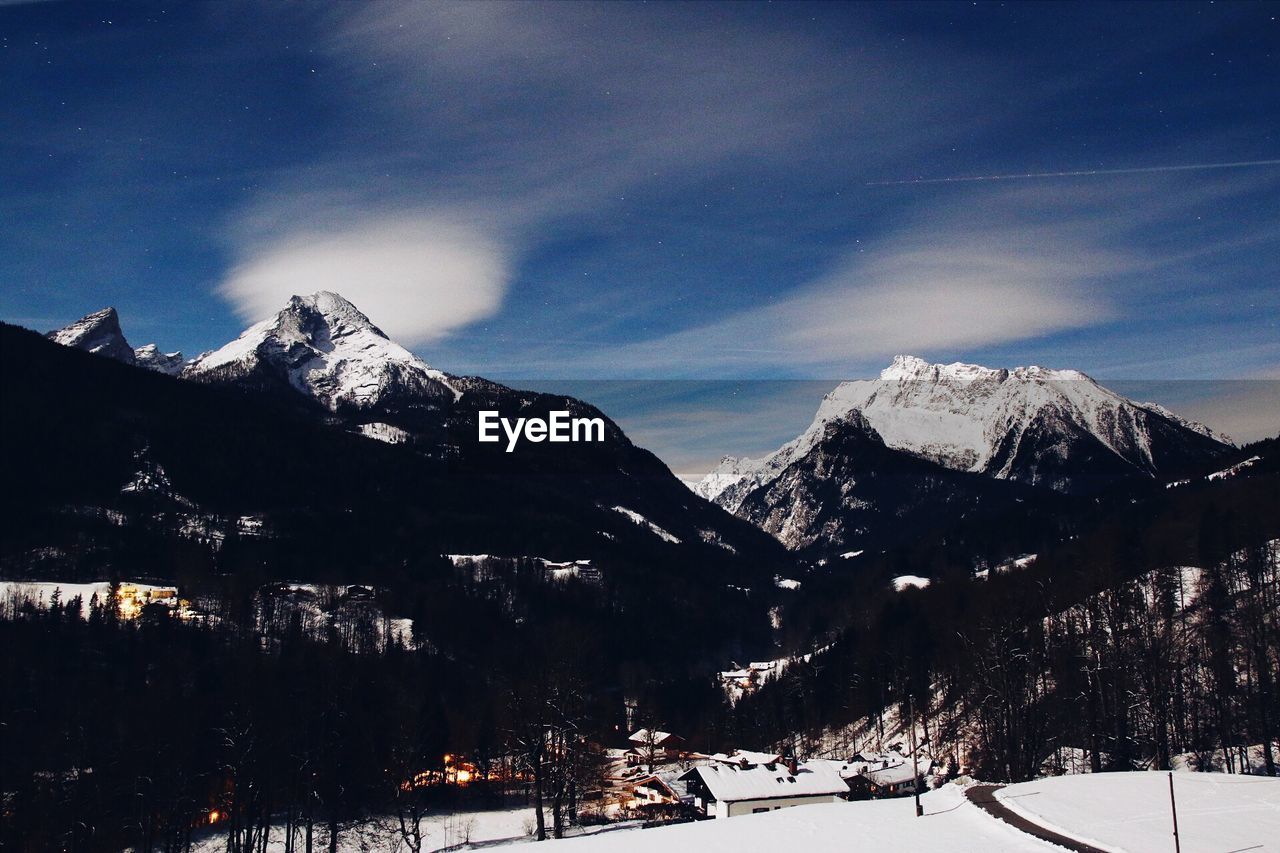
(540, 131)
(418, 277)
(936, 299)
(561, 107)
(935, 292)
(526, 122)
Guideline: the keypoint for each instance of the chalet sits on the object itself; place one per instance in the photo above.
(898, 780)
(660, 746)
(880, 776)
(730, 789)
(654, 789)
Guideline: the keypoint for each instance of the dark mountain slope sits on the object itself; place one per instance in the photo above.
(850, 491)
(338, 507)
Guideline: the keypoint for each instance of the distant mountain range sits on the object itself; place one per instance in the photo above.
(953, 439)
(921, 443)
(323, 356)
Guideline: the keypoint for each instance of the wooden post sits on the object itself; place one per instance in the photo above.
(1177, 844)
(915, 767)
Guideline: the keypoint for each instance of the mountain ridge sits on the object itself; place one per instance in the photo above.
(322, 358)
(100, 333)
(956, 439)
(985, 420)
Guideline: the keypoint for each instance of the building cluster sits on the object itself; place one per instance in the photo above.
(663, 780)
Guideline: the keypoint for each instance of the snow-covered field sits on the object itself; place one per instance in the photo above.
(439, 831)
(950, 824)
(1130, 812)
(1120, 812)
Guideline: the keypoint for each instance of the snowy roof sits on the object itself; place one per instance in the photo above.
(845, 769)
(895, 775)
(733, 783)
(659, 738)
(738, 756)
(659, 782)
(902, 582)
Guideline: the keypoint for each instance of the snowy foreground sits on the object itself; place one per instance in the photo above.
(1115, 811)
(1120, 812)
(445, 831)
(1217, 812)
(950, 824)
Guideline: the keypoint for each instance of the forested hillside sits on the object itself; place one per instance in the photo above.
(1151, 631)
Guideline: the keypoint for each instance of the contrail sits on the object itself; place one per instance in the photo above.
(1190, 167)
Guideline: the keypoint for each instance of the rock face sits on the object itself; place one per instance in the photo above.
(849, 489)
(98, 333)
(150, 357)
(1052, 429)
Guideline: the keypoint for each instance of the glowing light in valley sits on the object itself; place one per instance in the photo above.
(1188, 167)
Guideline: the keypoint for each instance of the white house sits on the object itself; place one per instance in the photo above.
(879, 775)
(731, 789)
(654, 745)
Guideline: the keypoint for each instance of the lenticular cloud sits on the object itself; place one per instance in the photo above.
(418, 278)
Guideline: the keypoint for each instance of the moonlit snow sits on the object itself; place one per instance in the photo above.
(957, 415)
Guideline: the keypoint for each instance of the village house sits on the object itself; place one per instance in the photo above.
(879, 776)
(894, 781)
(729, 788)
(655, 792)
(653, 747)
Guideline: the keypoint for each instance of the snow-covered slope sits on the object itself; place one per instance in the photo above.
(98, 333)
(1131, 811)
(324, 347)
(1030, 424)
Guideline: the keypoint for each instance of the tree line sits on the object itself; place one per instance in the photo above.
(1103, 661)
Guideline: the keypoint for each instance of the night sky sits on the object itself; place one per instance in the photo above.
(740, 191)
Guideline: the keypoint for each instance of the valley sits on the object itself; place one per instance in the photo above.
(867, 568)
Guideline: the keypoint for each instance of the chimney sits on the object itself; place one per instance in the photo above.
(793, 765)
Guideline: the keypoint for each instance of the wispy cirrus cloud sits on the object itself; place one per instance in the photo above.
(978, 271)
(926, 302)
(529, 120)
(480, 139)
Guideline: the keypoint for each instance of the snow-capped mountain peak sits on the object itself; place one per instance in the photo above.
(327, 349)
(1032, 424)
(909, 368)
(98, 333)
